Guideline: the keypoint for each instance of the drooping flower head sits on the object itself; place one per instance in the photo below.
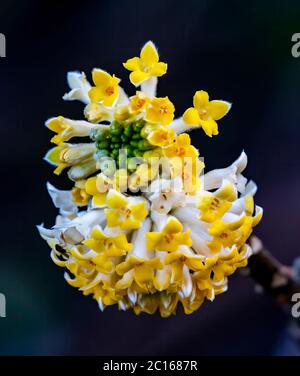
(142, 227)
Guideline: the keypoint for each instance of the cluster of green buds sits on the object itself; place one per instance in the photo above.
(130, 137)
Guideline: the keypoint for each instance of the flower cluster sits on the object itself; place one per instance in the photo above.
(143, 227)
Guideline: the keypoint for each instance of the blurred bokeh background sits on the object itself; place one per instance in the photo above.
(236, 51)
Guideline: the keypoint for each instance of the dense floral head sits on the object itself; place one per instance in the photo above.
(143, 227)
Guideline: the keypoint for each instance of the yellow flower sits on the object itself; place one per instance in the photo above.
(140, 178)
(160, 111)
(97, 186)
(228, 234)
(214, 205)
(228, 262)
(167, 303)
(67, 155)
(95, 112)
(67, 128)
(161, 136)
(181, 148)
(79, 194)
(205, 112)
(193, 302)
(106, 90)
(145, 66)
(170, 238)
(190, 175)
(104, 292)
(112, 246)
(184, 162)
(138, 102)
(138, 270)
(122, 113)
(123, 212)
(193, 261)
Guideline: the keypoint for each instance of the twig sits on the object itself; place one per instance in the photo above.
(276, 279)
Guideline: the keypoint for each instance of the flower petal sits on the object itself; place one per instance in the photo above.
(137, 77)
(218, 109)
(159, 69)
(191, 116)
(201, 100)
(96, 94)
(100, 77)
(210, 127)
(149, 54)
(133, 64)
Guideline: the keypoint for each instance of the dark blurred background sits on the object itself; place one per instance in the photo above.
(237, 51)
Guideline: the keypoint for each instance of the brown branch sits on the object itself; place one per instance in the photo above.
(275, 278)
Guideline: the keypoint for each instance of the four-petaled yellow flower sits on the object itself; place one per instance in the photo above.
(138, 270)
(106, 90)
(112, 246)
(145, 66)
(124, 212)
(170, 238)
(160, 111)
(214, 205)
(229, 234)
(67, 128)
(181, 148)
(138, 102)
(161, 136)
(205, 112)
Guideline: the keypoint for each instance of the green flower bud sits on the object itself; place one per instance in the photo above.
(115, 153)
(144, 145)
(102, 145)
(134, 143)
(128, 130)
(115, 139)
(124, 138)
(115, 128)
(130, 150)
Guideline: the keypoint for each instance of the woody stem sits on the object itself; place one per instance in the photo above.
(275, 278)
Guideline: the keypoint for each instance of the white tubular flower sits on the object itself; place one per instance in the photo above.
(213, 179)
(180, 126)
(83, 224)
(142, 228)
(149, 87)
(79, 86)
(165, 195)
(68, 128)
(62, 200)
(139, 266)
